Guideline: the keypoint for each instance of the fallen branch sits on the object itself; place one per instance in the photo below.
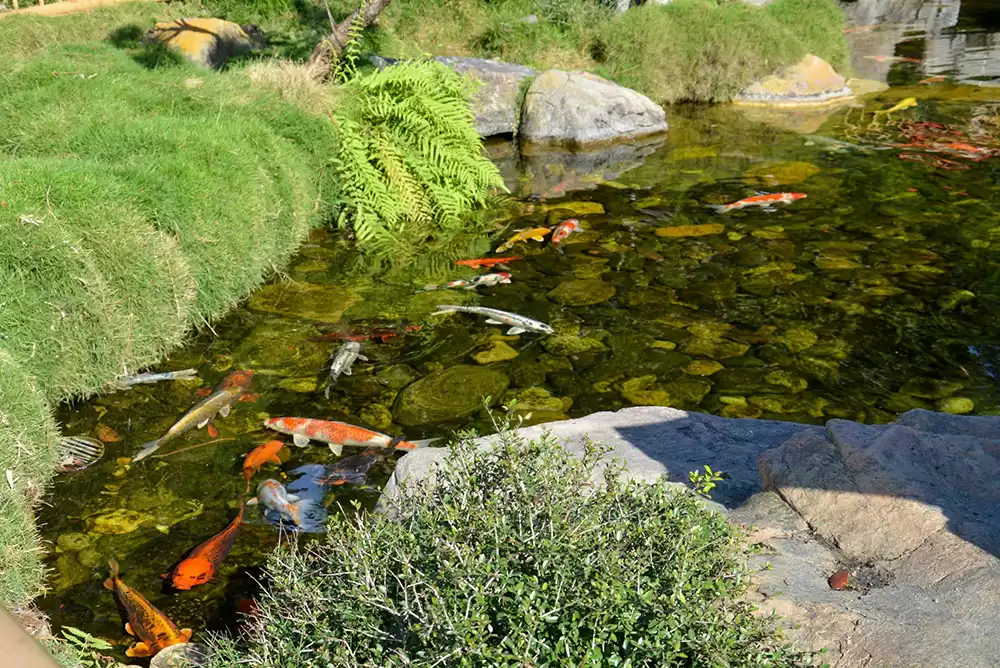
(327, 53)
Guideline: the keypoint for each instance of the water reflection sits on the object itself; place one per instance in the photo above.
(957, 39)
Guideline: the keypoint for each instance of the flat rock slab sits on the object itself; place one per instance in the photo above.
(579, 108)
(652, 441)
(911, 509)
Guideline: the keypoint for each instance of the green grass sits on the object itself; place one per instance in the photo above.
(134, 205)
(690, 50)
(514, 559)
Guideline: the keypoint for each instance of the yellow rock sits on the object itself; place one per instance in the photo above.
(811, 81)
(703, 367)
(207, 42)
(690, 230)
(780, 173)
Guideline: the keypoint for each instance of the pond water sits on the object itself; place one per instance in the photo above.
(878, 293)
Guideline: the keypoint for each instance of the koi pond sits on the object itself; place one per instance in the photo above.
(877, 293)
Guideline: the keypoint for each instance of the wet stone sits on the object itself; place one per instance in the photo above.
(585, 292)
(498, 351)
(703, 367)
(377, 416)
(397, 376)
(119, 521)
(709, 330)
(565, 345)
(448, 395)
(325, 303)
(929, 388)
(300, 385)
(535, 399)
(742, 381)
(788, 380)
(73, 542)
(688, 391)
(778, 404)
(526, 374)
(715, 348)
(642, 391)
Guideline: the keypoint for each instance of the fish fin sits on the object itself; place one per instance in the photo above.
(443, 308)
(301, 440)
(491, 321)
(347, 372)
(163, 576)
(128, 628)
(225, 410)
(337, 449)
(293, 498)
(274, 459)
(212, 431)
(109, 584)
(139, 650)
(201, 425)
(516, 330)
(326, 392)
(113, 567)
(718, 208)
(362, 358)
(146, 450)
(186, 634)
(252, 501)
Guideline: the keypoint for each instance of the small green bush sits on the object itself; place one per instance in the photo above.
(515, 558)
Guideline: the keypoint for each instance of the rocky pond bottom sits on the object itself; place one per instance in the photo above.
(876, 294)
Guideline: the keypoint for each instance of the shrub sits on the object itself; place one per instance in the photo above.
(514, 558)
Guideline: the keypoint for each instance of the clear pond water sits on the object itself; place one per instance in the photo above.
(878, 293)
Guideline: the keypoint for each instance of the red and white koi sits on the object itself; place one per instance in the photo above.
(486, 280)
(763, 201)
(335, 434)
(564, 229)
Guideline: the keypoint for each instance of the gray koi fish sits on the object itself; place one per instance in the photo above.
(518, 323)
(342, 363)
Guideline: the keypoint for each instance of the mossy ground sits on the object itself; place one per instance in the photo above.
(134, 204)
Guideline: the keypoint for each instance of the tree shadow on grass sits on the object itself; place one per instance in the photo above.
(150, 55)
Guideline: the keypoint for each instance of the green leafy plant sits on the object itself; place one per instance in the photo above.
(704, 483)
(88, 647)
(409, 161)
(517, 555)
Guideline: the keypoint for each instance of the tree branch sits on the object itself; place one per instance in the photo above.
(327, 52)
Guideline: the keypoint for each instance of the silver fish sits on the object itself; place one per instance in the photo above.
(486, 280)
(141, 378)
(342, 363)
(518, 323)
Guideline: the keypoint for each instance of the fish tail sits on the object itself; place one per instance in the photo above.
(719, 208)
(401, 443)
(147, 449)
(443, 308)
(113, 567)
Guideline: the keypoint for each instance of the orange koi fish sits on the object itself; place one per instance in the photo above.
(764, 201)
(534, 234)
(266, 453)
(202, 562)
(564, 229)
(152, 628)
(486, 261)
(335, 434)
(221, 401)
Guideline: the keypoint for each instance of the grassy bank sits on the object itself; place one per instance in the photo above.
(514, 558)
(134, 205)
(697, 50)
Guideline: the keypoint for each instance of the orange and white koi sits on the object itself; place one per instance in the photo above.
(486, 261)
(306, 514)
(764, 201)
(335, 434)
(266, 453)
(153, 629)
(486, 280)
(533, 234)
(219, 403)
(564, 229)
(202, 562)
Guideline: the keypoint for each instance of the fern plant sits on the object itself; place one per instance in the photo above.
(409, 159)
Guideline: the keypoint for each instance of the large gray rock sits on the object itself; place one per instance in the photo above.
(911, 509)
(579, 108)
(652, 441)
(496, 102)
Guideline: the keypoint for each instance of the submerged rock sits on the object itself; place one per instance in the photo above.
(956, 405)
(703, 367)
(324, 303)
(705, 230)
(565, 345)
(579, 108)
(715, 348)
(582, 292)
(780, 173)
(498, 351)
(536, 399)
(448, 395)
(378, 416)
(929, 388)
(118, 521)
(642, 392)
(397, 376)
